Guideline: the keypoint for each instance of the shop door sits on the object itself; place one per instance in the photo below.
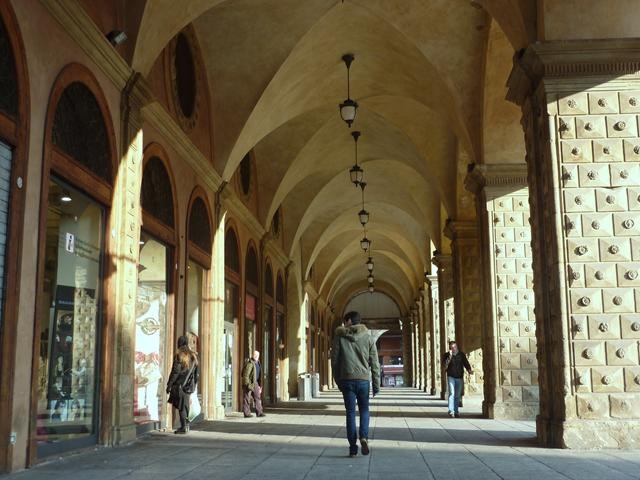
(266, 354)
(67, 403)
(227, 376)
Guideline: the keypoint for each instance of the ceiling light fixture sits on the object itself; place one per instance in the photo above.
(348, 108)
(369, 264)
(65, 197)
(116, 37)
(370, 278)
(363, 215)
(365, 243)
(371, 288)
(356, 173)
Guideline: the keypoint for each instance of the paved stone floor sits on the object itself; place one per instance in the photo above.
(411, 438)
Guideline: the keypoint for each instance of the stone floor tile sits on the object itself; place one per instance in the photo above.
(410, 436)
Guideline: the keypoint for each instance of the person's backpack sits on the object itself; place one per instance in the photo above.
(189, 384)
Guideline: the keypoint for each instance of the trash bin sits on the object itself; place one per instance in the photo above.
(315, 385)
(304, 387)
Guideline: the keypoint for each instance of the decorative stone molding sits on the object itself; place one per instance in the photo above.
(589, 62)
(495, 179)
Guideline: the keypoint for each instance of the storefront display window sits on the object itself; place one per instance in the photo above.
(70, 323)
(195, 282)
(151, 321)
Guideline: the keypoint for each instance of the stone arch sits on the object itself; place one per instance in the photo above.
(199, 231)
(157, 184)
(14, 129)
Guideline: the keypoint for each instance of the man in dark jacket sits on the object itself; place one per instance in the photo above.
(252, 385)
(353, 357)
(454, 362)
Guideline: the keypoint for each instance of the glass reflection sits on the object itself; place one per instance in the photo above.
(69, 323)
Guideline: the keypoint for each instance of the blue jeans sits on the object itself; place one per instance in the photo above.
(455, 392)
(356, 391)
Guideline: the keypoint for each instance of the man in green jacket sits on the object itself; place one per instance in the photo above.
(354, 357)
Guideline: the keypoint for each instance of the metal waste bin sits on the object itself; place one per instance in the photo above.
(315, 385)
(304, 387)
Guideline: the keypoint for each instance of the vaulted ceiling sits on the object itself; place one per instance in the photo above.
(420, 76)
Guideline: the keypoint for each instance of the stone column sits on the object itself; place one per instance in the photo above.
(406, 351)
(580, 103)
(417, 345)
(125, 236)
(468, 297)
(434, 339)
(509, 343)
(425, 334)
(447, 318)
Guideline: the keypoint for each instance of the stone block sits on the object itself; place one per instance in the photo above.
(591, 406)
(625, 406)
(607, 379)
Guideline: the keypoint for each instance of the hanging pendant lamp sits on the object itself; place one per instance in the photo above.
(349, 107)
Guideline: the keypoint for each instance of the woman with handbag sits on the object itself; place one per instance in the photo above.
(182, 382)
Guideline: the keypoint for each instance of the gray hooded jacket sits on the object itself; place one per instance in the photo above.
(354, 354)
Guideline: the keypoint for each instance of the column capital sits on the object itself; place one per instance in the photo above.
(496, 179)
(443, 262)
(459, 229)
(573, 60)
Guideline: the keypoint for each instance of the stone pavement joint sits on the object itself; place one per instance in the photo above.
(411, 436)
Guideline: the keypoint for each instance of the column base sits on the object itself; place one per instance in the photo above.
(589, 434)
(217, 413)
(510, 411)
(123, 434)
(433, 392)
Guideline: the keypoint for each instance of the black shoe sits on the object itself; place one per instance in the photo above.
(181, 431)
(364, 446)
(457, 415)
(352, 454)
(261, 415)
(247, 415)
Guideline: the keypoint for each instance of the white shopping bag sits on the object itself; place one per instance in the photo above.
(194, 406)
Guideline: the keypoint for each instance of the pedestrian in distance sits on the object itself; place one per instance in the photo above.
(182, 382)
(454, 362)
(354, 359)
(252, 385)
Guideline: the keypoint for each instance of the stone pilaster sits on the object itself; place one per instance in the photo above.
(580, 103)
(509, 343)
(125, 235)
(446, 313)
(434, 339)
(468, 297)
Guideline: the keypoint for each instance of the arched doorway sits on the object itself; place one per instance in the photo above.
(155, 308)
(73, 266)
(381, 315)
(230, 398)
(280, 340)
(268, 337)
(196, 292)
(251, 306)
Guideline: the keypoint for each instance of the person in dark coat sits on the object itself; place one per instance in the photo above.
(252, 385)
(185, 367)
(454, 362)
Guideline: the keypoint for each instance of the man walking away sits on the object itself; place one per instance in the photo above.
(353, 357)
(454, 362)
(252, 385)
